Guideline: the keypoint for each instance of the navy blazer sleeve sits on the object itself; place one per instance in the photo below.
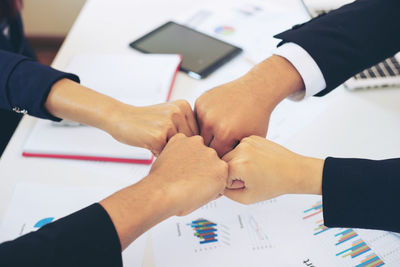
(349, 39)
(25, 84)
(85, 238)
(356, 192)
(361, 193)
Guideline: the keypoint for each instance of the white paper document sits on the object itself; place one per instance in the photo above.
(286, 231)
(133, 79)
(34, 205)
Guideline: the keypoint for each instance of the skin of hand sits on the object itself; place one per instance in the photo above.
(185, 176)
(149, 127)
(269, 170)
(241, 108)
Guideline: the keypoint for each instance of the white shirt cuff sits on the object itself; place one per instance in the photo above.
(313, 78)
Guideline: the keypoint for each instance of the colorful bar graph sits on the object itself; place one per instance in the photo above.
(321, 228)
(205, 230)
(314, 210)
(371, 260)
(346, 235)
(358, 248)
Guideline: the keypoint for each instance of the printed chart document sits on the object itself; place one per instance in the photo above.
(286, 231)
(35, 205)
(134, 79)
(222, 233)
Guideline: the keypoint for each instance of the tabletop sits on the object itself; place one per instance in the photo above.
(363, 123)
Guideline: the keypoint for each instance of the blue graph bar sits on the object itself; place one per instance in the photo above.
(208, 241)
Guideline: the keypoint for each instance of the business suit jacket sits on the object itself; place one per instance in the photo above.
(356, 193)
(85, 238)
(24, 83)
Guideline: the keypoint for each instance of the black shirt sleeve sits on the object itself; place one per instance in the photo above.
(84, 238)
(349, 39)
(25, 84)
(361, 193)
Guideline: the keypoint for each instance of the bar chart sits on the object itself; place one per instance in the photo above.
(348, 245)
(205, 231)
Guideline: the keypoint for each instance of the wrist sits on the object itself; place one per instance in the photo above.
(311, 175)
(170, 195)
(161, 200)
(135, 209)
(112, 113)
(273, 80)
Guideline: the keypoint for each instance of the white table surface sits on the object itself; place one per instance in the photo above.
(355, 124)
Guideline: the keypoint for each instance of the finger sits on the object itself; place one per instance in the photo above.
(207, 135)
(230, 155)
(181, 125)
(222, 146)
(239, 195)
(157, 147)
(172, 131)
(176, 137)
(189, 115)
(205, 131)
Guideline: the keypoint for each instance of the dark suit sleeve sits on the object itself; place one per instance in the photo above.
(349, 39)
(361, 193)
(25, 84)
(85, 238)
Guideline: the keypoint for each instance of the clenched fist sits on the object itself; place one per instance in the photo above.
(269, 170)
(152, 126)
(190, 174)
(241, 108)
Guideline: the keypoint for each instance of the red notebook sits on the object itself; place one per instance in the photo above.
(134, 79)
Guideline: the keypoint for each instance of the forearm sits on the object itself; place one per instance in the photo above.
(72, 101)
(136, 209)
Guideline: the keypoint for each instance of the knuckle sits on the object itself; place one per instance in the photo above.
(198, 139)
(246, 140)
(211, 152)
(183, 103)
(169, 126)
(157, 136)
(223, 132)
(178, 136)
(174, 109)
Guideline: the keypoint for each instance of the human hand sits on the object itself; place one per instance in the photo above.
(241, 108)
(190, 174)
(152, 126)
(269, 170)
(185, 176)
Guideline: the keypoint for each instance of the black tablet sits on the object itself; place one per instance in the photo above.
(201, 54)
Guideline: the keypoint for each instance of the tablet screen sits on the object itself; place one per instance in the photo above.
(201, 53)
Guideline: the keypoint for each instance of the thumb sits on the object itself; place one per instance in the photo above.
(235, 184)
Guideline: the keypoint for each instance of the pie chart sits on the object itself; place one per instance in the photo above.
(225, 30)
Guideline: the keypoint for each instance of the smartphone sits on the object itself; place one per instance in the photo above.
(201, 53)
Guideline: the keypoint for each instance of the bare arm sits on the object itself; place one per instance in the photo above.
(149, 127)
